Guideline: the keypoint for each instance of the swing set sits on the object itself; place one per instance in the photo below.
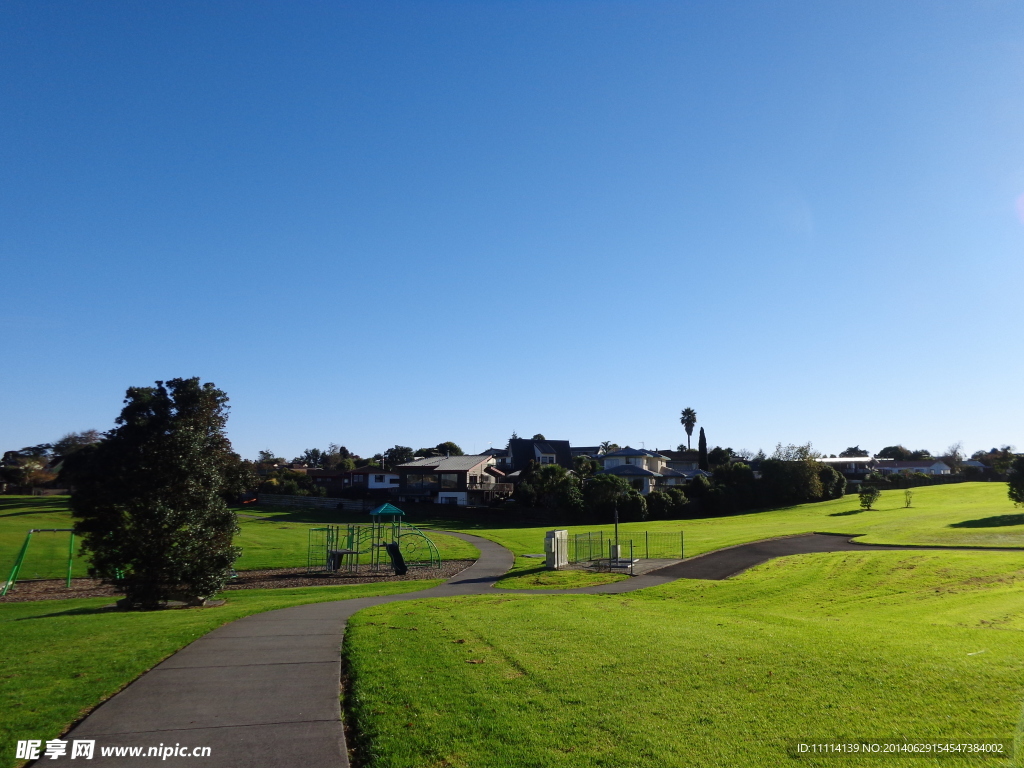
(20, 561)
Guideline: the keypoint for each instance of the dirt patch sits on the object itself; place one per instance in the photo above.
(279, 578)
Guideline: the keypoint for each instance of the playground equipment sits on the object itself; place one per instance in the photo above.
(16, 570)
(386, 542)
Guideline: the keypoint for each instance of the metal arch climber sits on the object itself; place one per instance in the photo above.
(20, 560)
(388, 542)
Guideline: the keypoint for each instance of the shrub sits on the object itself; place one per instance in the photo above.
(659, 505)
(633, 507)
(833, 483)
(868, 496)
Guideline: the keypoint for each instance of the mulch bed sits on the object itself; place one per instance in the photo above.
(55, 589)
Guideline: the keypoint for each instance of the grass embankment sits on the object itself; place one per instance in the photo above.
(834, 646)
(960, 515)
(61, 658)
(271, 537)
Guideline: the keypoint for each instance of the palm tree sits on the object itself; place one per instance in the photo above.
(688, 418)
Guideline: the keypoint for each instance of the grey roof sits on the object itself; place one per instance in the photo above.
(446, 463)
(632, 470)
(669, 472)
(627, 451)
(521, 451)
(912, 463)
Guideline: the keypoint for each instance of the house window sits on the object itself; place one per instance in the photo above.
(378, 478)
(425, 482)
(449, 480)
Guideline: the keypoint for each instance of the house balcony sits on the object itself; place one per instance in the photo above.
(493, 487)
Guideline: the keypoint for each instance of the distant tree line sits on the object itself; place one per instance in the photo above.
(792, 475)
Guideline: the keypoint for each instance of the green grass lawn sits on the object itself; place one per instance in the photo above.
(527, 574)
(62, 657)
(271, 537)
(965, 514)
(925, 645)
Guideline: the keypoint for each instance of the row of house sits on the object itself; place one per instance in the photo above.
(857, 468)
(483, 478)
(480, 479)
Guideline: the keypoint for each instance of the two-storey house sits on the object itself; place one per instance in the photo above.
(463, 480)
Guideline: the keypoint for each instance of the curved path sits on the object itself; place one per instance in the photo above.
(263, 691)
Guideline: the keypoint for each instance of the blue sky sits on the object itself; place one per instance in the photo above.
(379, 223)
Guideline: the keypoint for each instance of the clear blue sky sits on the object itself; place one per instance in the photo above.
(378, 223)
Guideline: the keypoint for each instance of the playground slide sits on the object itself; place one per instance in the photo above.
(395, 553)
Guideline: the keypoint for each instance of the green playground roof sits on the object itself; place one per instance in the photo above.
(387, 509)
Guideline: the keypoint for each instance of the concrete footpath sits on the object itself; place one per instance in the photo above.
(264, 691)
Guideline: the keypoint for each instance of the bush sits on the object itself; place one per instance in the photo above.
(868, 496)
(790, 482)
(600, 494)
(833, 483)
(632, 508)
(659, 505)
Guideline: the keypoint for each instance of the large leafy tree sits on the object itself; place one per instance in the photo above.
(1015, 478)
(900, 453)
(688, 418)
(150, 499)
(399, 454)
(719, 456)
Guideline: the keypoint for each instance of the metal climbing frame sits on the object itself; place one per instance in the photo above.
(24, 550)
(358, 546)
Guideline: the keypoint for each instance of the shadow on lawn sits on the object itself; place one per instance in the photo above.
(844, 514)
(71, 612)
(999, 521)
(36, 505)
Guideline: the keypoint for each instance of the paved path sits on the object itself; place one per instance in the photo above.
(263, 691)
(723, 563)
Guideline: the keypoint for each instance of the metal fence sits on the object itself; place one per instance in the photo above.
(593, 545)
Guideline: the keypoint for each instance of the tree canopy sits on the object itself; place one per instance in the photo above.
(150, 498)
(399, 454)
(1015, 481)
(853, 452)
(899, 453)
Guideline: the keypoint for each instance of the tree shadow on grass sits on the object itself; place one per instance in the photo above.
(844, 514)
(32, 505)
(72, 612)
(999, 521)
